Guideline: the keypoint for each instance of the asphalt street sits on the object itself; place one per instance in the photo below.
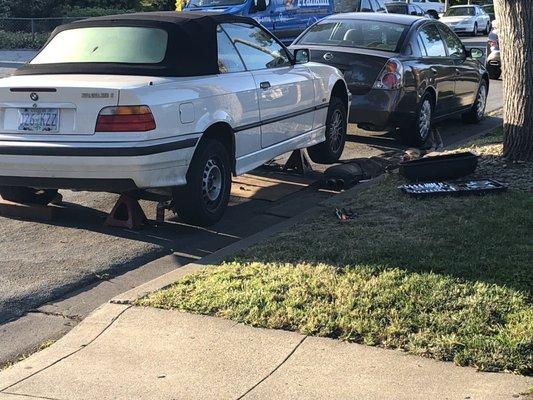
(53, 274)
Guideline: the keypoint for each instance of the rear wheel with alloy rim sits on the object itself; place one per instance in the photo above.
(477, 112)
(329, 151)
(205, 197)
(28, 195)
(417, 131)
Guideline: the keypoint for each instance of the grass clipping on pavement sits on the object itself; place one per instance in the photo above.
(447, 278)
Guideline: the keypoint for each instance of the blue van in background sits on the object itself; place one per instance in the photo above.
(284, 18)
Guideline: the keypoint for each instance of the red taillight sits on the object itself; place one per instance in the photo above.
(125, 119)
(391, 76)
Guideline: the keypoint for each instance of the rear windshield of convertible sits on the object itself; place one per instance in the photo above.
(119, 44)
(365, 34)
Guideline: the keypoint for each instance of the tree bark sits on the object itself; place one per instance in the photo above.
(515, 33)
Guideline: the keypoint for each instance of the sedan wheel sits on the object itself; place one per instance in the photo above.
(424, 120)
(205, 197)
(477, 112)
(329, 151)
(474, 32)
(416, 132)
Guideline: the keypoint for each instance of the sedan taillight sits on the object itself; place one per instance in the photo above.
(125, 119)
(493, 44)
(391, 76)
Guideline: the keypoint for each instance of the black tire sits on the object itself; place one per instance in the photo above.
(494, 72)
(487, 30)
(28, 195)
(474, 32)
(329, 151)
(477, 111)
(416, 132)
(204, 199)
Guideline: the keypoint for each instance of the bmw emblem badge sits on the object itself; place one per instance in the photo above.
(34, 96)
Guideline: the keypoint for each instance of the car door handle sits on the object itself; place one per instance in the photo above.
(264, 85)
(434, 70)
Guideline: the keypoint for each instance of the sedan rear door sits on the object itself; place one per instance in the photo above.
(439, 68)
(466, 70)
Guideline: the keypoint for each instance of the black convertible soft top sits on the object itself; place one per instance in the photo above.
(191, 49)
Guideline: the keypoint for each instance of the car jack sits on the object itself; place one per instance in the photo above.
(127, 213)
(298, 162)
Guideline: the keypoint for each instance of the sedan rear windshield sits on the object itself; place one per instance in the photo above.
(375, 35)
(122, 44)
(460, 11)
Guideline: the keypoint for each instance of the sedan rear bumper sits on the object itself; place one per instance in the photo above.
(95, 166)
(377, 108)
(494, 58)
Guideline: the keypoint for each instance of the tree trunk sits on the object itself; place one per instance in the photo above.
(515, 32)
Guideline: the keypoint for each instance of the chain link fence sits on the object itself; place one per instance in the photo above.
(28, 33)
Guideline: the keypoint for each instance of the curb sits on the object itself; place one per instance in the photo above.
(166, 280)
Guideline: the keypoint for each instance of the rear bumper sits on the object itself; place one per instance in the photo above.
(113, 167)
(377, 108)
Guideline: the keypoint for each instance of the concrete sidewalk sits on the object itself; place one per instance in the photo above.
(124, 352)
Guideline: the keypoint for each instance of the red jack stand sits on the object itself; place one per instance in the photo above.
(127, 213)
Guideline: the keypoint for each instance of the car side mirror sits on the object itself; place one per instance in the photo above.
(476, 53)
(301, 56)
(261, 5)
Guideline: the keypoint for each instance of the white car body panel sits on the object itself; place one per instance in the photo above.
(183, 108)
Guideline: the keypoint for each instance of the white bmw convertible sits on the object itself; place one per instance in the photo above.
(165, 103)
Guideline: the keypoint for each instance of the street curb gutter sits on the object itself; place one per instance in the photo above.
(166, 280)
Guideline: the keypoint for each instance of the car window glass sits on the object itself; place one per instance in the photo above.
(432, 41)
(358, 33)
(380, 5)
(257, 47)
(110, 44)
(421, 46)
(454, 44)
(365, 6)
(228, 58)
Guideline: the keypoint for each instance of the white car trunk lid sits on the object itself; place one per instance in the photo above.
(58, 105)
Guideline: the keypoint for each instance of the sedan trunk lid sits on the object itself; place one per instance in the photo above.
(360, 67)
(58, 105)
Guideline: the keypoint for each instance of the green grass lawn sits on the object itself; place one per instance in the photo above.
(448, 278)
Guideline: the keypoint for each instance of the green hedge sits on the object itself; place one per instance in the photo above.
(21, 40)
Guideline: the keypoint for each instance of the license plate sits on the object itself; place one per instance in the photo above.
(38, 120)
